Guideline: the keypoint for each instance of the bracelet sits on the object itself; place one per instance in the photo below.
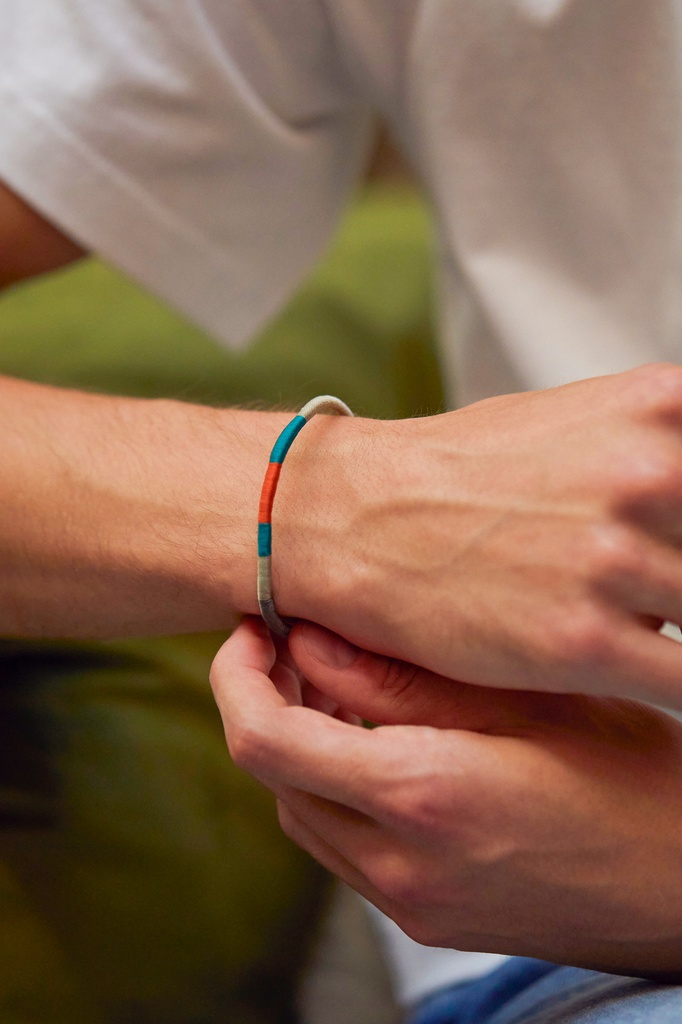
(266, 603)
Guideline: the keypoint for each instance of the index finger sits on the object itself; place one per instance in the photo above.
(299, 747)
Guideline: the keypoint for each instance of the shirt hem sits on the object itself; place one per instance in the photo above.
(79, 193)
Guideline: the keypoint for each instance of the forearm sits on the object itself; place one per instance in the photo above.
(123, 516)
(532, 539)
(29, 244)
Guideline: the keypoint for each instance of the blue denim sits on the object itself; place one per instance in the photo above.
(525, 991)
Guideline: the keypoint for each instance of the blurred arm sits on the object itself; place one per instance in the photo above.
(29, 244)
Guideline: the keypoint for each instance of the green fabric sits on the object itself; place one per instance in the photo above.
(142, 877)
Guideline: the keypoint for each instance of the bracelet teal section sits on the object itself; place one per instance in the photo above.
(264, 540)
(287, 438)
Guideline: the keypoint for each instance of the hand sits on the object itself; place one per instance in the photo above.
(502, 821)
(530, 541)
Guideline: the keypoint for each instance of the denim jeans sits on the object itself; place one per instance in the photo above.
(532, 992)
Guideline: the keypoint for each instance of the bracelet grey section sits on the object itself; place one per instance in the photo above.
(272, 619)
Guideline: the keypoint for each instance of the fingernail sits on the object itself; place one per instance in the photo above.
(329, 648)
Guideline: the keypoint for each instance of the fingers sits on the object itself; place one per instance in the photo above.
(651, 655)
(301, 833)
(638, 573)
(395, 874)
(245, 660)
(250, 645)
(386, 862)
(285, 745)
(388, 691)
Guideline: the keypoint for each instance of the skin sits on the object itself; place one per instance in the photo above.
(501, 821)
(530, 541)
(30, 244)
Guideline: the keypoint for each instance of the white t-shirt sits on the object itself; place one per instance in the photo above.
(207, 147)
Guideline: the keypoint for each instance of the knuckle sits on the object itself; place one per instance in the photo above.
(583, 638)
(397, 679)
(287, 821)
(416, 807)
(247, 746)
(423, 811)
(660, 474)
(399, 881)
(615, 556)
(216, 673)
(648, 474)
(657, 388)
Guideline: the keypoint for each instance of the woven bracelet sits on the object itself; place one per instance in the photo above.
(266, 603)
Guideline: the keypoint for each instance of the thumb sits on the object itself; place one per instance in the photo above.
(387, 691)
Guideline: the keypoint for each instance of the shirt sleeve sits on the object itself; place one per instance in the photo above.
(205, 147)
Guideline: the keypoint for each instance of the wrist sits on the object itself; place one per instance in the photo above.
(364, 527)
(337, 480)
(230, 556)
